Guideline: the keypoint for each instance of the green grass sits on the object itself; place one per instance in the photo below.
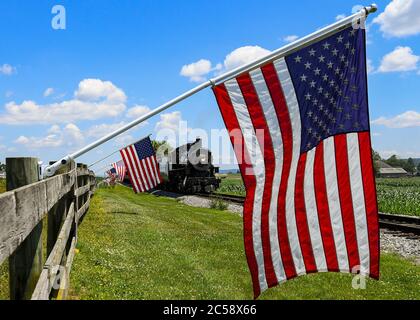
(2, 185)
(218, 205)
(398, 196)
(145, 247)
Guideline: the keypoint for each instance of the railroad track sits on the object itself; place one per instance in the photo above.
(225, 197)
(403, 224)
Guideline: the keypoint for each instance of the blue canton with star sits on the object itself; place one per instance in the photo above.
(329, 78)
(144, 148)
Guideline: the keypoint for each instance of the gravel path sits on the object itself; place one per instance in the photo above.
(404, 245)
(199, 202)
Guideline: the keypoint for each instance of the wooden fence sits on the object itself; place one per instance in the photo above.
(63, 200)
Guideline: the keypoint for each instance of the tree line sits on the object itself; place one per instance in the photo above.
(395, 162)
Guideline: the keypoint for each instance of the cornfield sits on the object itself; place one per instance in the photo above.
(397, 196)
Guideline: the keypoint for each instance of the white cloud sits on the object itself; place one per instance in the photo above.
(340, 17)
(22, 140)
(386, 154)
(196, 71)
(370, 66)
(7, 69)
(8, 94)
(169, 121)
(48, 92)
(96, 89)
(124, 140)
(404, 120)
(100, 130)
(290, 38)
(93, 100)
(137, 111)
(401, 59)
(69, 136)
(243, 55)
(401, 18)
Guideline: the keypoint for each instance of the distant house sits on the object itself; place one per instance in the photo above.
(386, 171)
(2, 175)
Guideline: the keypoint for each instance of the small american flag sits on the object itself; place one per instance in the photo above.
(311, 199)
(112, 173)
(142, 167)
(120, 169)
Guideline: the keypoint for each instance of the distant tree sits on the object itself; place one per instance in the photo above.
(395, 162)
(2, 166)
(409, 165)
(162, 148)
(376, 158)
(418, 169)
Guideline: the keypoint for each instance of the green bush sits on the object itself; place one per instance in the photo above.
(218, 205)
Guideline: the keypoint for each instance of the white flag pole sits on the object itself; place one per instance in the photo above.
(296, 45)
(114, 152)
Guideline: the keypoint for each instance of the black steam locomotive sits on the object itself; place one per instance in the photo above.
(190, 170)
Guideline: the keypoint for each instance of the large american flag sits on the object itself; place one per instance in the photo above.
(300, 130)
(120, 169)
(142, 167)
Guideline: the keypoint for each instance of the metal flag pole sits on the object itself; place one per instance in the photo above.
(111, 154)
(99, 161)
(296, 45)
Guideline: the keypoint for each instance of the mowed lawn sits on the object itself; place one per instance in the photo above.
(145, 247)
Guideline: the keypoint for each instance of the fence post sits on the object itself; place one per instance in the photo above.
(25, 264)
(57, 214)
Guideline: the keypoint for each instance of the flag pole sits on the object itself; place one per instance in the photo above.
(296, 45)
(99, 161)
(111, 154)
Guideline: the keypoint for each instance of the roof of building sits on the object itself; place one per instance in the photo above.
(382, 164)
(392, 171)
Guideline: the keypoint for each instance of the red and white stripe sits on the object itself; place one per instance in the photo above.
(303, 213)
(144, 174)
(121, 170)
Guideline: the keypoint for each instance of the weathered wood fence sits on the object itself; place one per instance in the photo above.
(62, 201)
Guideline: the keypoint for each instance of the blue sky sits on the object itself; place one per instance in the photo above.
(61, 89)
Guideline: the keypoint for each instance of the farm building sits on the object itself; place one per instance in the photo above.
(386, 171)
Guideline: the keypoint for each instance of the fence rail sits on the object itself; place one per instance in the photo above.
(62, 199)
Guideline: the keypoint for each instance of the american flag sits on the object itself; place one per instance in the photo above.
(120, 169)
(311, 200)
(142, 167)
(112, 173)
